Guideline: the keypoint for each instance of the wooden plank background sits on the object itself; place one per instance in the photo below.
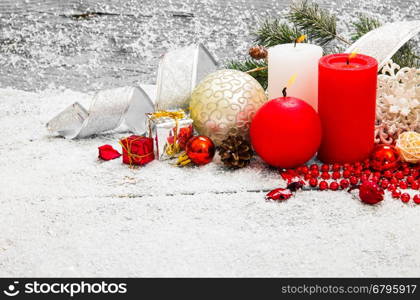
(42, 45)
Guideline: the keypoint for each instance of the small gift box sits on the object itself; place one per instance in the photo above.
(137, 150)
(171, 132)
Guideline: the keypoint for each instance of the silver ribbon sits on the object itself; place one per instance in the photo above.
(109, 110)
(179, 72)
(383, 42)
(125, 108)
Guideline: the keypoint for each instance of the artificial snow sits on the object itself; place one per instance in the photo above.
(66, 213)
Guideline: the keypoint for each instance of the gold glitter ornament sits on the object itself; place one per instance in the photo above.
(224, 100)
(408, 144)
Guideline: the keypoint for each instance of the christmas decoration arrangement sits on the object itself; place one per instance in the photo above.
(356, 113)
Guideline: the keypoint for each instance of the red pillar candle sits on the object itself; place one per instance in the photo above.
(347, 102)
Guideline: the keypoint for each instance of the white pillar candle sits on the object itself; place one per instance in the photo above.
(286, 60)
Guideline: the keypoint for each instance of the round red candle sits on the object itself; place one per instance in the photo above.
(346, 107)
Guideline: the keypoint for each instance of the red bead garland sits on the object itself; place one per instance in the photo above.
(351, 176)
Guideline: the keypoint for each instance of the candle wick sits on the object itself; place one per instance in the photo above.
(284, 92)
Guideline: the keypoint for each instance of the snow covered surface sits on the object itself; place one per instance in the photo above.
(65, 213)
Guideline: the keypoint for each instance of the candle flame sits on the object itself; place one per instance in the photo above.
(351, 55)
(301, 38)
(291, 80)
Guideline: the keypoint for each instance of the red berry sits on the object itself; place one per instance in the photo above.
(364, 178)
(392, 187)
(388, 174)
(325, 175)
(406, 171)
(305, 170)
(307, 177)
(393, 180)
(323, 185)
(357, 172)
(325, 168)
(384, 183)
(336, 167)
(354, 180)
(403, 185)
(344, 183)
(410, 179)
(399, 175)
(313, 182)
(315, 173)
(358, 165)
(334, 186)
(366, 164)
(346, 173)
(314, 167)
(374, 179)
(396, 194)
(405, 197)
(417, 199)
(336, 175)
(346, 166)
(377, 174)
(414, 185)
(367, 172)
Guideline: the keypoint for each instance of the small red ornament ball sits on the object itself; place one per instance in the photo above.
(286, 132)
(384, 157)
(200, 149)
(370, 192)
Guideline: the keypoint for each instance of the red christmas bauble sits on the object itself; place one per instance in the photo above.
(200, 149)
(286, 132)
(384, 157)
(370, 192)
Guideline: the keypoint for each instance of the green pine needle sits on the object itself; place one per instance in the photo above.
(363, 26)
(319, 24)
(249, 64)
(273, 32)
(406, 56)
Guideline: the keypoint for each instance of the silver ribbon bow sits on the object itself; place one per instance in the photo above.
(179, 72)
(383, 42)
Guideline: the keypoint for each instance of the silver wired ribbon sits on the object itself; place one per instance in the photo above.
(383, 42)
(180, 70)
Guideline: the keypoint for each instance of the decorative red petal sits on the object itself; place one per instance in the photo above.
(279, 194)
(106, 152)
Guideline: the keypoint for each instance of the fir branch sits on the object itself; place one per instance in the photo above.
(363, 26)
(273, 32)
(319, 24)
(251, 64)
(406, 56)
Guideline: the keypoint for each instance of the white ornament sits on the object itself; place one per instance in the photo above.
(398, 98)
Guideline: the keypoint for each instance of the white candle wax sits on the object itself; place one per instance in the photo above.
(286, 60)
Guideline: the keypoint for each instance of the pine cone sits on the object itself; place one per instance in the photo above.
(258, 52)
(235, 151)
